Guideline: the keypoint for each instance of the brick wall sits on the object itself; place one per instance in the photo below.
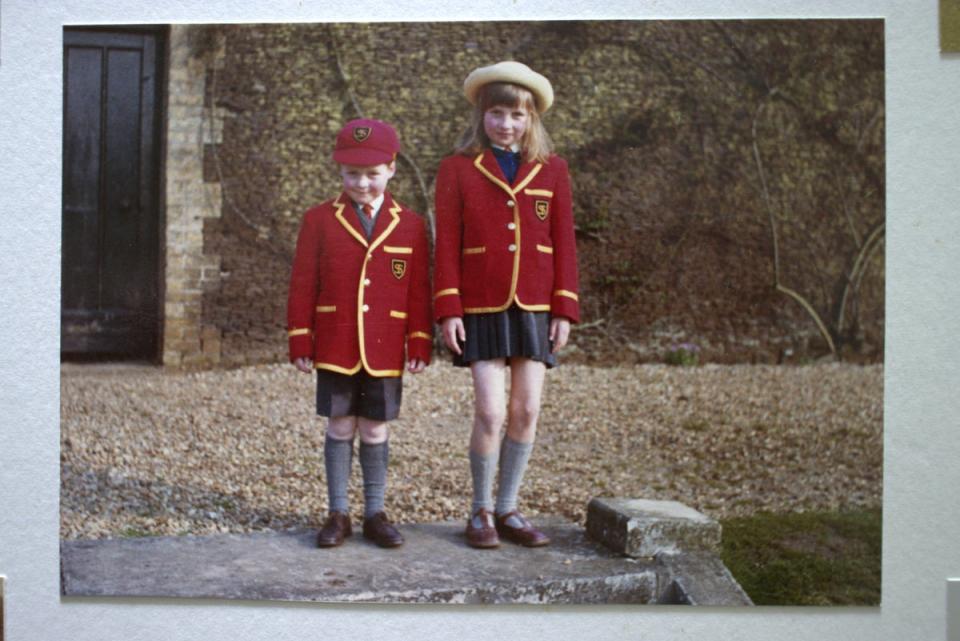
(193, 128)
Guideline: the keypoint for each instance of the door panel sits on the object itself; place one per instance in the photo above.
(81, 160)
(111, 227)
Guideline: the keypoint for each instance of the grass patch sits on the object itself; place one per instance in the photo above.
(810, 558)
(134, 533)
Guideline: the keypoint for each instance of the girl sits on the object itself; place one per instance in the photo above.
(505, 286)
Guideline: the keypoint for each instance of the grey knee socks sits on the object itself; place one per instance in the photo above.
(373, 461)
(338, 457)
(513, 463)
(482, 468)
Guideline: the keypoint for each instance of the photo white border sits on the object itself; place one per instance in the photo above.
(922, 474)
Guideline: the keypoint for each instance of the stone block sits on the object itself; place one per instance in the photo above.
(214, 195)
(642, 528)
(172, 311)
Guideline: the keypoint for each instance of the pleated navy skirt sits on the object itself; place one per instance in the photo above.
(512, 332)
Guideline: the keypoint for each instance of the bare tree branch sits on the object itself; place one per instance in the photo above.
(846, 211)
(773, 231)
(856, 272)
(813, 314)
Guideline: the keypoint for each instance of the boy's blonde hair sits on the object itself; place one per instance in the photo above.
(535, 145)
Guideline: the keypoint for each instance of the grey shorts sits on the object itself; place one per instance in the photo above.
(360, 394)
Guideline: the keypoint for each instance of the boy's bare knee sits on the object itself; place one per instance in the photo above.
(342, 428)
(372, 432)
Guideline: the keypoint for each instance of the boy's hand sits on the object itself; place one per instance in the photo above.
(304, 364)
(559, 333)
(452, 329)
(415, 366)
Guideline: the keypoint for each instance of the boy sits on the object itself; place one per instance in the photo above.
(359, 297)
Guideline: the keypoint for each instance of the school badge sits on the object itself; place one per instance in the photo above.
(399, 267)
(542, 209)
(361, 133)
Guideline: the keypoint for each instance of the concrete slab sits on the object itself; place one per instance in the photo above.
(702, 579)
(434, 565)
(643, 528)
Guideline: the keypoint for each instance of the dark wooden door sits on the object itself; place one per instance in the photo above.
(111, 228)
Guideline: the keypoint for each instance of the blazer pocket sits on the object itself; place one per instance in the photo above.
(326, 308)
(473, 250)
(395, 314)
(544, 249)
(397, 250)
(539, 192)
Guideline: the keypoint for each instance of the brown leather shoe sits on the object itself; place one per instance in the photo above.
(335, 529)
(515, 528)
(481, 532)
(379, 530)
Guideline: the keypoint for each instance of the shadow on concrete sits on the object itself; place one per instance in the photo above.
(148, 498)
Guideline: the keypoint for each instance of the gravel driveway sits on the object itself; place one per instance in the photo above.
(148, 451)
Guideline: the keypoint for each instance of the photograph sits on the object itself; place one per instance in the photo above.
(506, 312)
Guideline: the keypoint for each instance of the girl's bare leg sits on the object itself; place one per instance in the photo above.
(489, 387)
(526, 390)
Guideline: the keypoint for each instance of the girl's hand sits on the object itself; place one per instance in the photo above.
(452, 328)
(559, 333)
(415, 366)
(304, 364)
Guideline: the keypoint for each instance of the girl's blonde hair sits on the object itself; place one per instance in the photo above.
(535, 145)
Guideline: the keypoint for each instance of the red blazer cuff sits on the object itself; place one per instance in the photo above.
(447, 304)
(563, 304)
(419, 345)
(301, 346)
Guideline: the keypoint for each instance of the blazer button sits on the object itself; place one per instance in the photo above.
(510, 203)
(511, 225)
(366, 308)
(366, 282)
(512, 247)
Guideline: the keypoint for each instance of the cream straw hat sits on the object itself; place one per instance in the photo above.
(513, 72)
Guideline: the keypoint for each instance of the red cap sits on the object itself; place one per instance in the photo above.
(366, 142)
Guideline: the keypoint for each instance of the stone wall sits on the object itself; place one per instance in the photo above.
(659, 123)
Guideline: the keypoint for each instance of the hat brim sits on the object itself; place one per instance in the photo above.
(513, 72)
(363, 157)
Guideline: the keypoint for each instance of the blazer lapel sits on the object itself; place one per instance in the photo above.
(489, 167)
(525, 174)
(387, 218)
(344, 213)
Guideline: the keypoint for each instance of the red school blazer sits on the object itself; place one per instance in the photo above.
(356, 303)
(499, 244)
